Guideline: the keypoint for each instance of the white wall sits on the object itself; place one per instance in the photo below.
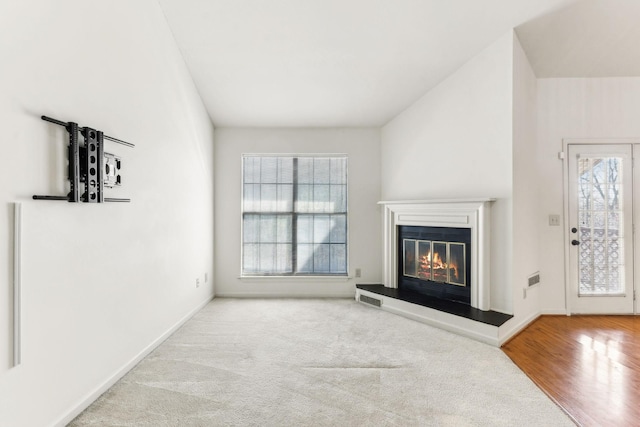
(525, 189)
(102, 282)
(594, 108)
(455, 142)
(365, 232)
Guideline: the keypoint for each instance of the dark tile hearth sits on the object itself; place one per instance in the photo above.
(493, 318)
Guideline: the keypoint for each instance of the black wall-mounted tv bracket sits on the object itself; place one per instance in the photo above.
(89, 165)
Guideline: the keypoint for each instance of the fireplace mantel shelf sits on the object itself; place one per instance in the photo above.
(436, 201)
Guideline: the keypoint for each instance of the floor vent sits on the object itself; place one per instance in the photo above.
(370, 301)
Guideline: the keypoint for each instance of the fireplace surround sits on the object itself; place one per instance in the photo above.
(470, 215)
(474, 319)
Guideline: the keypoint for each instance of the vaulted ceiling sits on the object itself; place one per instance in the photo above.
(590, 38)
(317, 63)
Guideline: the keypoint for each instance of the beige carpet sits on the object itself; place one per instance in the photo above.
(320, 363)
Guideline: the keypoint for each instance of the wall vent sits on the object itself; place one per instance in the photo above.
(370, 301)
(534, 279)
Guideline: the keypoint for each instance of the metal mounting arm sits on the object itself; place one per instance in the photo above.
(87, 165)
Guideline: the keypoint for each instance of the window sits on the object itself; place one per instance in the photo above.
(294, 215)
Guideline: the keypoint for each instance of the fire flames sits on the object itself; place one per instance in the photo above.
(426, 264)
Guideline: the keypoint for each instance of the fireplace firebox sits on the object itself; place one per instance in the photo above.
(435, 261)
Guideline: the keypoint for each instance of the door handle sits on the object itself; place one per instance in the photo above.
(575, 242)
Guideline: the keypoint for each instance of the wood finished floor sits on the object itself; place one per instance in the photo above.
(590, 365)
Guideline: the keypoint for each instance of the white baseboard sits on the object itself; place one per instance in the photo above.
(514, 330)
(271, 295)
(555, 312)
(92, 396)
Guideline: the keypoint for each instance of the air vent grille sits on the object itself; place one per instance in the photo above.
(534, 279)
(370, 301)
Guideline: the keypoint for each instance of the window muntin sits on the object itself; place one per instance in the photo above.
(294, 215)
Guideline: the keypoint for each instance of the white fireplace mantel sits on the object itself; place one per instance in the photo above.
(474, 214)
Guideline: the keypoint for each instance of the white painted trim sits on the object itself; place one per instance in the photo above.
(565, 234)
(295, 154)
(584, 141)
(276, 295)
(93, 395)
(296, 278)
(17, 284)
(474, 214)
(410, 202)
(478, 331)
(515, 330)
(554, 313)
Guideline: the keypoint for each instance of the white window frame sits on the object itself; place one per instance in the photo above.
(294, 275)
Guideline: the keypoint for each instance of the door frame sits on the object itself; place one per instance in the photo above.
(566, 238)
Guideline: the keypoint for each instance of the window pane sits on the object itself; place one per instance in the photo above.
(267, 258)
(251, 198)
(251, 228)
(321, 228)
(597, 198)
(284, 234)
(268, 198)
(251, 258)
(268, 228)
(305, 170)
(284, 201)
(305, 229)
(304, 202)
(314, 193)
(251, 166)
(269, 173)
(338, 198)
(321, 171)
(321, 262)
(338, 258)
(314, 253)
(283, 259)
(305, 258)
(339, 170)
(321, 194)
(338, 229)
(615, 197)
(285, 170)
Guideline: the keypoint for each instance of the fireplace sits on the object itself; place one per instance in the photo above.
(435, 261)
(439, 248)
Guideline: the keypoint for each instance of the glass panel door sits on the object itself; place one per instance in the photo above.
(600, 234)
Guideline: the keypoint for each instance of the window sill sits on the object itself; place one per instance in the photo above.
(297, 278)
